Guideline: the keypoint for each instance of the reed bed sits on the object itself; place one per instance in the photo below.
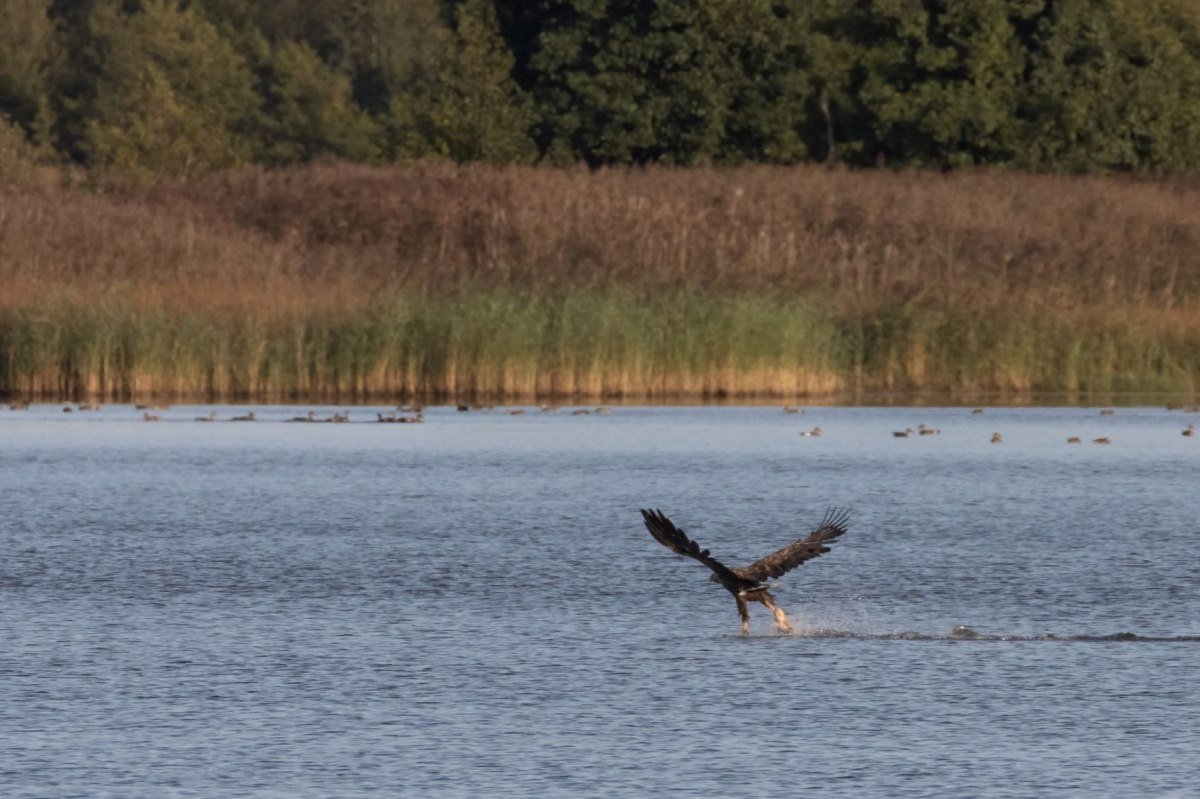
(354, 283)
(492, 343)
(498, 344)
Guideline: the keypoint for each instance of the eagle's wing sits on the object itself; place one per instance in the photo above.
(671, 537)
(795, 553)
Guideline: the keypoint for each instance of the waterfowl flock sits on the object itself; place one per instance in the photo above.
(997, 438)
(402, 414)
(413, 414)
(395, 418)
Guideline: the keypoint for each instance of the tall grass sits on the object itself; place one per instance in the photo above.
(357, 283)
(479, 343)
(497, 343)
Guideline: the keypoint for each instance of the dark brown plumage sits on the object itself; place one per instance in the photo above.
(749, 582)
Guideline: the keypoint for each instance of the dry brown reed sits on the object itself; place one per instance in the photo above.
(862, 239)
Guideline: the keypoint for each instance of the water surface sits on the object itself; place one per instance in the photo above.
(470, 607)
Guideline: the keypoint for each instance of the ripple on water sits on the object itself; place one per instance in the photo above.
(470, 607)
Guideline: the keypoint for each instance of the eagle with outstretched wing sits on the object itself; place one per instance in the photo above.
(748, 583)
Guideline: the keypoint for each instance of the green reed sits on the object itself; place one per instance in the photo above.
(594, 344)
(1023, 351)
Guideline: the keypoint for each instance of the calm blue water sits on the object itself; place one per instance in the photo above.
(472, 608)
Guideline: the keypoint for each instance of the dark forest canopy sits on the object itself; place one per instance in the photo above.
(181, 87)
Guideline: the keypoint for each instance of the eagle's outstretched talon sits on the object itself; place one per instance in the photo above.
(781, 620)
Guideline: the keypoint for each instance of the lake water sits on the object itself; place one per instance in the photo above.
(471, 607)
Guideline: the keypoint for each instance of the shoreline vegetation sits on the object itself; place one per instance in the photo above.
(435, 282)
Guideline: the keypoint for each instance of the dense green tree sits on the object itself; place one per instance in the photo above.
(382, 46)
(1115, 84)
(308, 111)
(18, 157)
(26, 51)
(628, 80)
(469, 109)
(169, 95)
(774, 92)
(181, 86)
(932, 82)
(386, 46)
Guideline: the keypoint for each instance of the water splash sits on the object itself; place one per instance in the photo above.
(965, 633)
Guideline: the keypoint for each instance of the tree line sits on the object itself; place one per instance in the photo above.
(181, 87)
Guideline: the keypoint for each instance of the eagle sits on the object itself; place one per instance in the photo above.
(748, 583)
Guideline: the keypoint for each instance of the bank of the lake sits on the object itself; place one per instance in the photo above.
(357, 284)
